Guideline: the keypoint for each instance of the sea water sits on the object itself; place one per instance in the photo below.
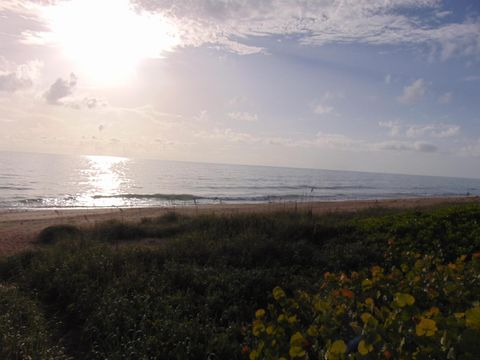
(66, 181)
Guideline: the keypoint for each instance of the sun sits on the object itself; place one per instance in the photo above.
(107, 39)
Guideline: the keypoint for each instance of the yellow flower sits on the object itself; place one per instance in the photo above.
(337, 349)
(426, 327)
(296, 351)
(312, 331)
(281, 318)
(260, 313)
(278, 293)
(459, 315)
(376, 270)
(297, 339)
(364, 348)
(253, 355)
(257, 327)
(320, 306)
(472, 317)
(432, 311)
(292, 319)
(369, 301)
(403, 300)
(365, 317)
(366, 284)
(269, 330)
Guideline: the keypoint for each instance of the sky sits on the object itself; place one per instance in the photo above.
(365, 85)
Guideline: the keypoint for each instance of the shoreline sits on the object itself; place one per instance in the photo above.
(19, 227)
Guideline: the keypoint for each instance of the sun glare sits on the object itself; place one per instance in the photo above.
(107, 39)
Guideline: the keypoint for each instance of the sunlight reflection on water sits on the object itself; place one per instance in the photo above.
(104, 175)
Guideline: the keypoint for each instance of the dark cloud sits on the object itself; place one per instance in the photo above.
(425, 147)
(60, 89)
(11, 82)
(92, 102)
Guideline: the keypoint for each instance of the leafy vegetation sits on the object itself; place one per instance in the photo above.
(179, 287)
(421, 310)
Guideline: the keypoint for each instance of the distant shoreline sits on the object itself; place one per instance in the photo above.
(18, 227)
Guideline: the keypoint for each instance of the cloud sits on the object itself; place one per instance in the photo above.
(472, 148)
(228, 135)
(445, 98)
(337, 141)
(377, 22)
(11, 82)
(418, 146)
(472, 78)
(60, 89)
(413, 92)
(237, 100)
(243, 116)
(388, 79)
(18, 77)
(93, 102)
(437, 131)
(322, 109)
(425, 147)
(323, 106)
(394, 127)
(432, 130)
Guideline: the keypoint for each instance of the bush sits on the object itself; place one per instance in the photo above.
(24, 331)
(52, 234)
(423, 310)
(193, 295)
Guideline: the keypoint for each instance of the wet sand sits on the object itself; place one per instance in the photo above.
(18, 228)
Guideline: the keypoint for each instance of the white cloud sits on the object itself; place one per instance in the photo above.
(418, 146)
(472, 148)
(323, 109)
(18, 77)
(60, 89)
(324, 106)
(337, 141)
(237, 100)
(394, 127)
(243, 116)
(380, 22)
(472, 78)
(432, 131)
(445, 98)
(388, 79)
(229, 24)
(414, 92)
(228, 135)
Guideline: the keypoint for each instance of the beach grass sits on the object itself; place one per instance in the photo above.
(188, 287)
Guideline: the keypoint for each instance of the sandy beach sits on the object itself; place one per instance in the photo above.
(18, 228)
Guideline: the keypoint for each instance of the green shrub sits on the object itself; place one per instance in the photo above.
(24, 331)
(193, 295)
(52, 234)
(422, 310)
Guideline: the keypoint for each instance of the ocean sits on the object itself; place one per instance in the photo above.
(35, 181)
